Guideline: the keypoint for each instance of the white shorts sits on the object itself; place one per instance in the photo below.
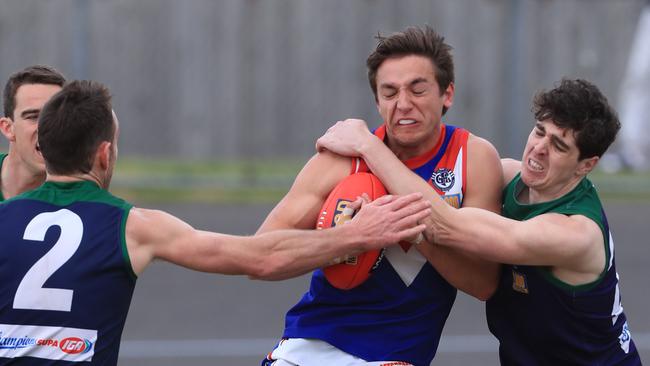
(314, 352)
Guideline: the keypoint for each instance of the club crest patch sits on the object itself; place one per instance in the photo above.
(443, 179)
(519, 282)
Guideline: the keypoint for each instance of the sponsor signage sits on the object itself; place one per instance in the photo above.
(52, 343)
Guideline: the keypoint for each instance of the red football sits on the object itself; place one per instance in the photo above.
(350, 271)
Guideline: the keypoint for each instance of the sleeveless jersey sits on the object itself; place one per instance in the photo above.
(540, 320)
(2, 159)
(399, 312)
(66, 276)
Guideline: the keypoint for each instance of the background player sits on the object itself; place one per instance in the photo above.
(558, 301)
(399, 312)
(25, 93)
(71, 252)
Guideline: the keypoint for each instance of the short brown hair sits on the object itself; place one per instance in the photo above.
(72, 124)
(414, 41)
(36, 74)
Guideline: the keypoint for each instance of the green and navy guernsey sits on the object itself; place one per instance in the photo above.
(67, 280)
(540, 320)
(2, 159)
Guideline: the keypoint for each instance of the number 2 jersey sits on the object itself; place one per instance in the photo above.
(540, 320)
(398, 313)
(66, 276)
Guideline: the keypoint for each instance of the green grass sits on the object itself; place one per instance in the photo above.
(626, 186)
(236, 181)
(267, 180)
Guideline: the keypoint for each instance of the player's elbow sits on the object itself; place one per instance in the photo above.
(490, 285)
(487, 283)
(486, 291)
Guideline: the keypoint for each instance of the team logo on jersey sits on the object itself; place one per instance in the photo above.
(519, 282)
(443, 178)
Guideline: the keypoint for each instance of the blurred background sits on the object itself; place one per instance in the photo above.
(220, 103)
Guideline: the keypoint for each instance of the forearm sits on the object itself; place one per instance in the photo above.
(284, 254)
(396, 177)
(476, 231)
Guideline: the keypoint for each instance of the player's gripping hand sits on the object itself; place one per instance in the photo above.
(347, 138)
(390, 219)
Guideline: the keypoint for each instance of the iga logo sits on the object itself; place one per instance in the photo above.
(75, 345)
(443, 178)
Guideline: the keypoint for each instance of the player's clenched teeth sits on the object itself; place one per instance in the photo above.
(405, 122)
(534, 165)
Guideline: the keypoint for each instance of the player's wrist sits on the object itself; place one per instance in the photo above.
(369, 144)
(354, 237)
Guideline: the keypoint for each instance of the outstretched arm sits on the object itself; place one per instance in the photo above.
(573, 246)
(152, 234)
(465, 271)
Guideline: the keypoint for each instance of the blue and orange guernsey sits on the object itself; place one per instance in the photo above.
(399, 312)
(66, 276)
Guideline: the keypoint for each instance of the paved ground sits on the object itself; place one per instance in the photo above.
(180, 317)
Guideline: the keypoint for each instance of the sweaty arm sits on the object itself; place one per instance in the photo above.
(465, 271)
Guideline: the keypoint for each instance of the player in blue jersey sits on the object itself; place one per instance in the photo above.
(558, 301)
(397, 315)
(70, 251)
(25, 93)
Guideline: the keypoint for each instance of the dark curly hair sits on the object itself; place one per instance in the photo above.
(414, 41)
(579, 105)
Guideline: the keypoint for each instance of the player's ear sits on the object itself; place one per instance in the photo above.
(7, 128)
(448, 95)
(104, 154)
(585, 166)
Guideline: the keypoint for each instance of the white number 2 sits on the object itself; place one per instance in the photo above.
(31, 294)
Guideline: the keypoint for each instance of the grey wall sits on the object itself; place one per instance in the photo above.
(245, 78)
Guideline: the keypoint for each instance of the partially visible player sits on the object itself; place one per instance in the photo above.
(397, 315)
(558, 301)
(25, 93)
(71, 252)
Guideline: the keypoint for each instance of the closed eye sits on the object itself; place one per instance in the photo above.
(559, 145)
(388, 92)
(419, 86)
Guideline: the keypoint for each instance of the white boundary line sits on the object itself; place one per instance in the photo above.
(169, 348)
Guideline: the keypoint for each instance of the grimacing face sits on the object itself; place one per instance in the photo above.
(410, 102)
(550, 164)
